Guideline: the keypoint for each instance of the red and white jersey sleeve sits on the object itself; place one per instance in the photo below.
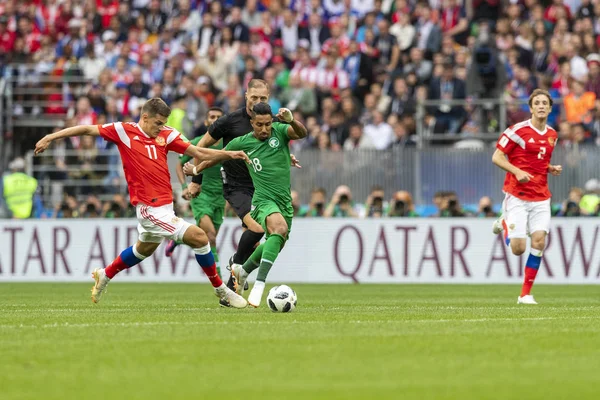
(529, 150)
(145, 160)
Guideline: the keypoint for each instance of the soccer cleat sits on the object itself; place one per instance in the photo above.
(224, 303)
(100, 285)
(527, 299)
(239, 278)
(170, 248)
(497, 225)
(256, 295)
(232, 298)
(230, 282)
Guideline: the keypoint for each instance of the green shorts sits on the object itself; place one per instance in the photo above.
(261, 211)
(210, 204)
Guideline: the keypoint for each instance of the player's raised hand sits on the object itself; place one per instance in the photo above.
(188, 169)
(295, 162)
(42, 145)
(523, 177)
(555, 170)
(285, 115)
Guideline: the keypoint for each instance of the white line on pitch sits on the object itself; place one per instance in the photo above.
(283, 322)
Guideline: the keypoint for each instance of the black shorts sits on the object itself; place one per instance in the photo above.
(239, 198)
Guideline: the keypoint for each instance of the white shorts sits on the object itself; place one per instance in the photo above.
(525, 217)
(157, 223)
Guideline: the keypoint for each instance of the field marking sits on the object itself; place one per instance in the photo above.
(175, 308)
(282, 322)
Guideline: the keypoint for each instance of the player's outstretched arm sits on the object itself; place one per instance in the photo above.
(210, 157)
(81, 130)
(499, 159)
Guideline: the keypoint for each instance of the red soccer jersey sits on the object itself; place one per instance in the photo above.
(530, 150)
(145, 160)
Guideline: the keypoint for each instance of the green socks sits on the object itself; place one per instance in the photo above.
(254, 260)
(270, 252)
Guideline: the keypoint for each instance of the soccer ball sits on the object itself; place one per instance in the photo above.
(282, 298)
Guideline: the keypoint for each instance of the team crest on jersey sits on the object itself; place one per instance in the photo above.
(160, 141)
(274, 142)
(174, 220)
(552, 141)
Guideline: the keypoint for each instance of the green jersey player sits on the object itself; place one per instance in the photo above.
(209, 206)
(268, 149)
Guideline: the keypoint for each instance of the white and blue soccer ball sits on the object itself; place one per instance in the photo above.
(282, 298)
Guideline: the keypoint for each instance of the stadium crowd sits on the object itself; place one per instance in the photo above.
(352, 70)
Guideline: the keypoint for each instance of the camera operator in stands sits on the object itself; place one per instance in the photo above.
(450, 206)
(402, 205)
(341, 204)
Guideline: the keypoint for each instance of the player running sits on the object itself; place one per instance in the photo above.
(524, 151)
(237, 184)
(268, 148)
(144, 147)
(209, 207)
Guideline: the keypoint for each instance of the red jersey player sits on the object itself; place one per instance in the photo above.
(524, 151)
(143, 147)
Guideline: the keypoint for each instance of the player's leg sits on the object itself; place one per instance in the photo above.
(240, 273)
(539, 225)
(241, 202)
(515, 217)
(196, 206)
(499, 225)
(277, 228)
(206, 224)
(129, 257)
(197, 239)
(151, 233)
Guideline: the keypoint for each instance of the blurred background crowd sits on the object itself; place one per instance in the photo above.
(361, 74)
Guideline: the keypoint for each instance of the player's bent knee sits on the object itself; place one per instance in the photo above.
(518, 246)
(280, 228)
(195, 237)
(538, 240)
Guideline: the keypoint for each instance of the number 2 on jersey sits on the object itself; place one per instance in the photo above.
(256, 165)
(541, 153)
(151, 153)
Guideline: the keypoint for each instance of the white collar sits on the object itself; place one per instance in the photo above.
(535, 129)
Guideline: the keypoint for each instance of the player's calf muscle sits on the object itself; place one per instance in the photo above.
(146, 248)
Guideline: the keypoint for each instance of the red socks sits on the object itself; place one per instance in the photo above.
(115, 267)
(530, 274)
(213, 275)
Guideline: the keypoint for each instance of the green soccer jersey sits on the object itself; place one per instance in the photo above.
(270, 165)
(211, 180)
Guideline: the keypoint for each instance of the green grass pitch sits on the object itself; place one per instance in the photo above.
(172, 341)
